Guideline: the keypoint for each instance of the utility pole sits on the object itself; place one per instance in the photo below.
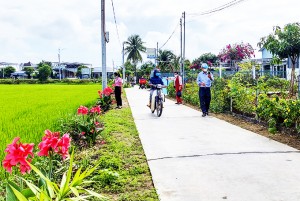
(156, 59)
(181, 46)
(124, 77)
(103, 41)
(59, 66)
(183, 71)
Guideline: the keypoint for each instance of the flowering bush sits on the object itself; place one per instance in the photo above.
(85, 126)
(105, 99)
(236, 52)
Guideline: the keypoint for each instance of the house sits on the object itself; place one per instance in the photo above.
(69, 69)
(281, 70)
(97, 72)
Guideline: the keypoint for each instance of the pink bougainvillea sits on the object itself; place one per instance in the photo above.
(236, 52)
(17, 155)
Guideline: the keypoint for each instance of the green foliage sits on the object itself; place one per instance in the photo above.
(28, 71)
(206, 58)
(220, 101)
(284, 43)
(165, 59)
(70, 188)
(44, 72)
(8, 71)
(28, 110)
(134, 47)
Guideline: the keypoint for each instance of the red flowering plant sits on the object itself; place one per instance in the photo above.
(53, 145)
(236, 53)
(85, 126)
(18, 154)
(105, 99)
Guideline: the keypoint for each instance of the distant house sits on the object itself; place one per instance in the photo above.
(69, 69)
(97, 72)
(283, 70)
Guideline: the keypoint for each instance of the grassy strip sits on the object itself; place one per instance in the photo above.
(124, 172)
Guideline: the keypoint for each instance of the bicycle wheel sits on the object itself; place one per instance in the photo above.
(159, 107)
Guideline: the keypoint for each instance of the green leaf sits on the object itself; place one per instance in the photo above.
(18, 194)
(97, 195)
(75, 191)
(10, 196)
(28, 193)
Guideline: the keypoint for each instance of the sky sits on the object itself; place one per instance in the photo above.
(34, 30)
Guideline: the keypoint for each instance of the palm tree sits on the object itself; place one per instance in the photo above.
(134, 47)
(165, 58)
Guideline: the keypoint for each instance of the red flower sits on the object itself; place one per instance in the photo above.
(96, 109)
(113, 85)
(107, 91)
(63, 146)
(49, 143)
(100, 94)
(82, 133)
(82, 110)
(52, 143)
(17, 155)
(97, 123)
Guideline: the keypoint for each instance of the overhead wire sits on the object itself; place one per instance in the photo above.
(170, 36)
(217, 9)
(113, 7)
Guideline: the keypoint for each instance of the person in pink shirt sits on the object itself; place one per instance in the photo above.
(118, 89)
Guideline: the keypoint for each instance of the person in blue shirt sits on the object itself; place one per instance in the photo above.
(154, 80)
(204, 81)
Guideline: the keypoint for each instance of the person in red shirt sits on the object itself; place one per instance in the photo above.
(178, 87)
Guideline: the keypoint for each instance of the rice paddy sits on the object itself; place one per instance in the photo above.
(28, 110)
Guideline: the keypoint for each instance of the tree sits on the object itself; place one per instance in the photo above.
(44, 71)
(165, 58)
(284, 43)
(79, 71)
(28, 71)
(146, 69)
(208, 58)
(236, 53)
(8, 71)
(133, 49)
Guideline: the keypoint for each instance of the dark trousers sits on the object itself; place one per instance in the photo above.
(205, 97)
(118, 96)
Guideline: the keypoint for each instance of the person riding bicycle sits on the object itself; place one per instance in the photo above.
(154, 80)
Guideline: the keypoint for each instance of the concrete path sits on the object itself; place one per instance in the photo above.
(192, 158)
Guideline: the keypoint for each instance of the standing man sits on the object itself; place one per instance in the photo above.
(204, 81)
(178, 87)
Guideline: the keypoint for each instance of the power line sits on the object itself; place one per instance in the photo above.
(170, 36)
(217, 9)
(113, 7)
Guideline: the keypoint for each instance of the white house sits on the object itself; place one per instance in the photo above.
(282, 70)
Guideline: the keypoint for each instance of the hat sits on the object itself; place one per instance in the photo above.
(204, 65)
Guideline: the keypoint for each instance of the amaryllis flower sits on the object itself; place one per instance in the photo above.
(107, 91)
(82, 133)
(96, 109)
(82, 110)
(17, 155)
(52, 142)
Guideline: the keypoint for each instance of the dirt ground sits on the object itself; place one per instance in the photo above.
(290, 140)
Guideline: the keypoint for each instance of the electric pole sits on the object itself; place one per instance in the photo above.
(59, 68)
(181, 46)
(124, 77)
(156, 59)
(183, 57)
(103, 41)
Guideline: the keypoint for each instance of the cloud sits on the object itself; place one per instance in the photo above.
(33, 30)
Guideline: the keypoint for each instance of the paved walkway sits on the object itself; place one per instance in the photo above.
(192, 158)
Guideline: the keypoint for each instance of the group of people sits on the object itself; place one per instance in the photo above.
(204, 81)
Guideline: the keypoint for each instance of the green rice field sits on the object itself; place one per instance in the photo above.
(28, 110)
